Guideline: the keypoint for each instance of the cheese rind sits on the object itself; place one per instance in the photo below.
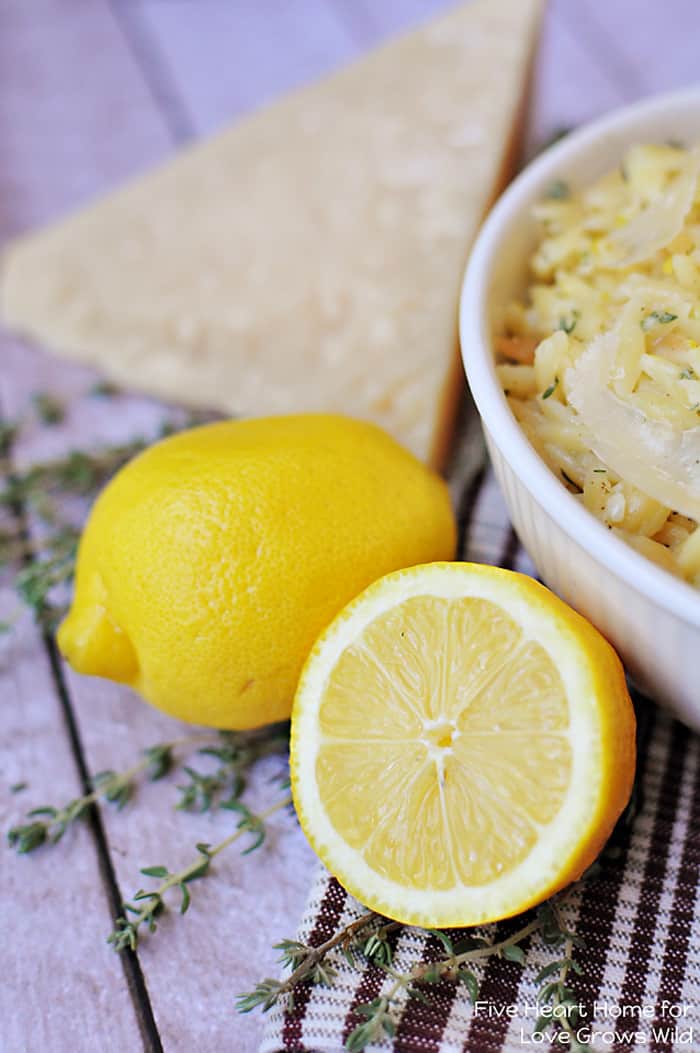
(308, 257)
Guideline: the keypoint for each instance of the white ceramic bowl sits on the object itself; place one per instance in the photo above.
(652, 618)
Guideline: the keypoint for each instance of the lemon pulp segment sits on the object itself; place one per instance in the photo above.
(463, 724)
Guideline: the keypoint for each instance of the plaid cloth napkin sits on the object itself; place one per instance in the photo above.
(640, 985)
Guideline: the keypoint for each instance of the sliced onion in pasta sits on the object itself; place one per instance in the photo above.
(662, 461)
(660, 223)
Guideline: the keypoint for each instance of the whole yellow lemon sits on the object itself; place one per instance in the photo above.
(211, 562)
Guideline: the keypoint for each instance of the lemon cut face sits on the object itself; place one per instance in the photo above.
(462, 745)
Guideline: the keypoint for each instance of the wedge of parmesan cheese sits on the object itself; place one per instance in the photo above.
(308, 257)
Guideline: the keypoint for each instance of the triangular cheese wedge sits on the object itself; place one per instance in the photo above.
(308, 257)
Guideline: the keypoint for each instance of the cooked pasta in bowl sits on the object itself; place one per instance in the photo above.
(580, 331)
(601, 358)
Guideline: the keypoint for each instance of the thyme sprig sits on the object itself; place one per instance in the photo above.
(455, 967)
(236, 754)
(309, 966)
(42, 574)
(48, 408)
(377, 948)
(563, 1005)
(48, 824)
(49, 562)
(40, 492)
(237, 751)
(80, 473)
(127, 930)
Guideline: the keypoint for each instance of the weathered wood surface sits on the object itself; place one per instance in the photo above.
(92, 91)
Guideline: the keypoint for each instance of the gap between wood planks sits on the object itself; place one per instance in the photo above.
(180, 126)
(130, 961)
(131, 966)
(156, 73)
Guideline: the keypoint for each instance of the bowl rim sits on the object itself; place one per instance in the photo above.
(621, 560)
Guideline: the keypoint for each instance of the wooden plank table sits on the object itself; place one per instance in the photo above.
(92, 91)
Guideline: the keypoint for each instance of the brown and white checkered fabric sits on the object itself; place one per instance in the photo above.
(640, 986)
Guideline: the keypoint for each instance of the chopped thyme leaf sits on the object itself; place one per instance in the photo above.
(17, 787)
(8, 433)
(597, 470)
(657, 318)
(49, 409)
(551, 389)
(569, 324)
(104, 389)
(687, 374)
(558, 191)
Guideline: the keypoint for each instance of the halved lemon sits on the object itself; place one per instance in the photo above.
(462, 745)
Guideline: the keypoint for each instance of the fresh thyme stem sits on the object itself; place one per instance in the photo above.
(50, 823)
(568, 945)
(566, 962)
(126, 930)
(449, 965)
(308, 963)
(309, 966)
(379, 1021)
(108, 785)
(317, 954)
(496, 948)
(37, 492)
(245, 829)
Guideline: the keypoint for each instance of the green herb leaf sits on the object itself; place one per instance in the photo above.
(657, 318)
(28, 837)
(104, 389)
(378, 1025)
(444, 940)
(265, 995)
(548, 970)
(158, 871)
(8, 434)
(569, 324)
(159, 760)
(432, 973)
(49, 409)
(420, 996)
(551, 389)
(471, 983)
(558, 191)
(377, 948)
(293, 952)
